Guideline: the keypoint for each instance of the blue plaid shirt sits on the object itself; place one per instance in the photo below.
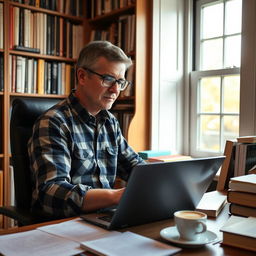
(71, 152)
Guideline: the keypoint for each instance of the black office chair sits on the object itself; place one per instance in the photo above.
(24, 113)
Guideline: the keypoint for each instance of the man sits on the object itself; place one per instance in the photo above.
(77, 148)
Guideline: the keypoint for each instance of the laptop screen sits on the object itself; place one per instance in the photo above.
(155, 191)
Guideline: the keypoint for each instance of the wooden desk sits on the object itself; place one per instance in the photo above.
(152, 230)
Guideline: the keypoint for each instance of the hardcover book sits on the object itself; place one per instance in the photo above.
(245, 183)
(242, 210)
(153, 153)
(168, 158)
(242, 198)
(227, 169)
(212, 203)
(247, 139)
(240, 232)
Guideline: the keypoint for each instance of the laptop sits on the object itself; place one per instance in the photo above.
(156, 190)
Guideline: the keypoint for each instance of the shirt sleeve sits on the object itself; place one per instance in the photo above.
(50, 165)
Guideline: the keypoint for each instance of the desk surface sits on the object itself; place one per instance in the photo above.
(152, 230)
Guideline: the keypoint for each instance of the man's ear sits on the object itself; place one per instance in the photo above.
(81, 75)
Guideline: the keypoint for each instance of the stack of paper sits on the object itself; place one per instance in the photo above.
(128, 243)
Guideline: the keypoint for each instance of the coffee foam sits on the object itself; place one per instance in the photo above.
(190, 215)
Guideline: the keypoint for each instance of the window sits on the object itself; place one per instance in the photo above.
(215, 83)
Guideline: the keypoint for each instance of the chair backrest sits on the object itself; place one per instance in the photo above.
(24, 113)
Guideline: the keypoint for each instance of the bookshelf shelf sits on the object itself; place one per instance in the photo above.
(42, 56)
(37, 95)
(43, 10)
(112, 15)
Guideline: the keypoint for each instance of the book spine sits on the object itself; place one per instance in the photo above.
(40, 76)
(1, 73)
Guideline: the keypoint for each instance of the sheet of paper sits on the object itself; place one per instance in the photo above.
(129, 243)
(77, 230)
(36, 242)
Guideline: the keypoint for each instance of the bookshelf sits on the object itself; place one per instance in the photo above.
(132, 107)
(136, 15)
(35, 27)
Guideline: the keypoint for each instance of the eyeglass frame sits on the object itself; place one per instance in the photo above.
(103, 78)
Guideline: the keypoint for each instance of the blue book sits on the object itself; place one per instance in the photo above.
(153, 153)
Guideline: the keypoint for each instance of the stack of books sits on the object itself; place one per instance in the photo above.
(240, 232)
(242, 195)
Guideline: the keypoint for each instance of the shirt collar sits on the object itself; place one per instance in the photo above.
(82, 112)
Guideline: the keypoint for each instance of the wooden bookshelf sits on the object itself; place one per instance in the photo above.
(7, 95)
(138, 127)
(134, 107)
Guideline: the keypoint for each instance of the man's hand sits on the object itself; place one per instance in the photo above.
(101, 198)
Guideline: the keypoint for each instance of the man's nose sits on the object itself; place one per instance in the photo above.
(115, 87)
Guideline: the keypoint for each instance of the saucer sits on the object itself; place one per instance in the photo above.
(171, 234)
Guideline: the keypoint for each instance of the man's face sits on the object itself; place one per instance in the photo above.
(91, 93)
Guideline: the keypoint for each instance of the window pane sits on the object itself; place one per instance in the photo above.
(212, 21)
(233, 17)
(210, 94)
(231, 92)
(230, 127)
(209, 132)
(232, 51)
(212, 54)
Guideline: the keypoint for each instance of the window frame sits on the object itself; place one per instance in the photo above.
(195, 77)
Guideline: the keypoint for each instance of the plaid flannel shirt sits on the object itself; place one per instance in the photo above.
(71, 152)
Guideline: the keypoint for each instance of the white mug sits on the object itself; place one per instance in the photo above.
(190, 224)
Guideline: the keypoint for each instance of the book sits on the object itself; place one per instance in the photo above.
(212, 203)
(242, 210)
(241, 198)
(245, 183)
(240, 232)
(26, 49)
(227, 168)
(128, 243)
(168, 158)
(1, 26)
(40, 76)
(153, 153)
(1, 73)
(245, 158)
(247, 139)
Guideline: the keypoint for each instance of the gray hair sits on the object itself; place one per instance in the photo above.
(90, 54)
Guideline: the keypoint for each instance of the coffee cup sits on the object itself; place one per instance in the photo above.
(190, 224)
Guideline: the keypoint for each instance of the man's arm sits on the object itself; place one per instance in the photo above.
(101, 198)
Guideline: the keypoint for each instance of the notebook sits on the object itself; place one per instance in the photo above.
(155, 191)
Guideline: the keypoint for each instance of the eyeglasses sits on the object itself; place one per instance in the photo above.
(108, 80)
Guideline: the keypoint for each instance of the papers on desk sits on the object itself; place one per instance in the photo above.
(57, 239)
(128, 243)
(36, 242)
(65, 239)
(76, 230)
